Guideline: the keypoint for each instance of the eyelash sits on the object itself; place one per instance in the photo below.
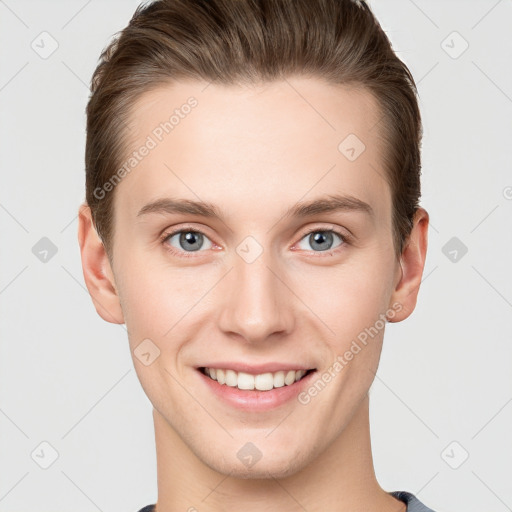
(184, 254)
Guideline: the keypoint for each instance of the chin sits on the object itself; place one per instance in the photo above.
(277, 465)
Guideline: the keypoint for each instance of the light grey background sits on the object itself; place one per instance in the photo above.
(444, 387)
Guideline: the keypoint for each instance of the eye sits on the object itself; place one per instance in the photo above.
(185, 241)
(322, 239)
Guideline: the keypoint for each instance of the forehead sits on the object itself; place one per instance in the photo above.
(245, 144)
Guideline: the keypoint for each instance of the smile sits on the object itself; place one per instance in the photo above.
(260, 382)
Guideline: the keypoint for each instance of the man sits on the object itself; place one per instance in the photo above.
(251, 214)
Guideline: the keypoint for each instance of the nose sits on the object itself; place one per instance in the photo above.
(257, 304)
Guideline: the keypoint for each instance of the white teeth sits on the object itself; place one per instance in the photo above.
(290, 378)
(264, 381)
(261, 382)
(221, 376)
(278, 379)
(231, 378)
(245, 380)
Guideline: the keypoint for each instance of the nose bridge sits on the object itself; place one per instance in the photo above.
(257, 304)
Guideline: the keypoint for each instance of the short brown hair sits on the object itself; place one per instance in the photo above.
(251, 41)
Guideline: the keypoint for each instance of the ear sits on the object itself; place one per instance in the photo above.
(98, 274)
(412, 262)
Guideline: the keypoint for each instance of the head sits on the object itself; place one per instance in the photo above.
(268, 113)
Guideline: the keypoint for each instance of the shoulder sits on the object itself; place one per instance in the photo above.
(413, 503)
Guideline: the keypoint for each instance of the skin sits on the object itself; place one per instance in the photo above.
(254, 152)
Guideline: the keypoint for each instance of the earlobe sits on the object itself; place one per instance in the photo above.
(412, 263)
(96, 269)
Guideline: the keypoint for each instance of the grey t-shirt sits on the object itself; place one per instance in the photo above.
(413, 503)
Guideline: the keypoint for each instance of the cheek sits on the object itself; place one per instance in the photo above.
(150, 294)
(164, 304)
(346, 298)
(154, 306)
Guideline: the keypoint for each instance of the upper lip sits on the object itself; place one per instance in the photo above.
(256, 369)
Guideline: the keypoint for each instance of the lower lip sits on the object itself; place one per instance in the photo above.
(256, 400)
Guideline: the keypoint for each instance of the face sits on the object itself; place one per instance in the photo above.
(258, 283)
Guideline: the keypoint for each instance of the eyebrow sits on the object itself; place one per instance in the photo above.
(328, 204)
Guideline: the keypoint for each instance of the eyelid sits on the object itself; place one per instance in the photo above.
(173, 231)
(327, 227)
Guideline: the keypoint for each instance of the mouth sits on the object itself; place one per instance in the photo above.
(255, 382)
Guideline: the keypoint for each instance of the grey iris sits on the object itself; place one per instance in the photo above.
(323, 238)
(191, 237)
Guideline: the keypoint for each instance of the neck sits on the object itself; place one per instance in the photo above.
(340, 479)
